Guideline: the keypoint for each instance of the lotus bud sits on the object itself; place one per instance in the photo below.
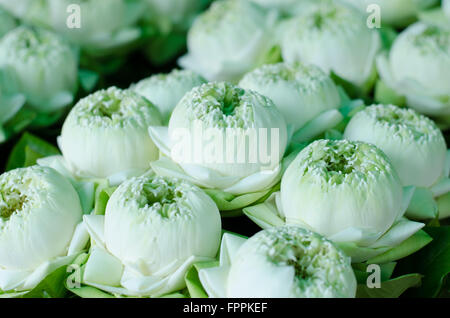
(106, 133)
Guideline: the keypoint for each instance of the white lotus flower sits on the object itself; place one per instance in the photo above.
(228, 40)
(280, 262)
(398, 13)
(105, 25)
(347, 191)
(39, 211)
(166, 90)
(180, 13)
(153, 229)
(418, 67)
(223, 137)
(413, 143)
(29, 11)
(106, 133)
(7, 23)
(300, 92)
(46, 67)
(334, 37)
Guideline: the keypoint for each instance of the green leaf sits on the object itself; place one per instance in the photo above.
(162, 49)
(443, 203)
(388, 36)
(45, 120)
(354, 91)
(409, 246)
(28, 149)
(433, 262)
(392, 288)
(52, 286)
(101, 198)
(272, 56)
(20, 121)
(362, 274)
(386, 95)
(193, 283)
(88, 79)
(230, 202)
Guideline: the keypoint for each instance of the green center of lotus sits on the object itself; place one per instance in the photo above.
(223, 15)
(433, 40)
(338, 163)
(11, 201)
(319, 19)
(112, 108)
(342, 161)
(313, 258)
(221, 105)
(304, 78)
(156, 195)
(404, 123)
(26, 42)
(328, 17)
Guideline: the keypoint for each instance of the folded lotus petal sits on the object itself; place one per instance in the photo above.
(45, 269)
(79, 240)
(399, 232)
(161, 138)
(102, 268)
(12, 279)
(264, 215)
(214, 279)
(95, 226)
